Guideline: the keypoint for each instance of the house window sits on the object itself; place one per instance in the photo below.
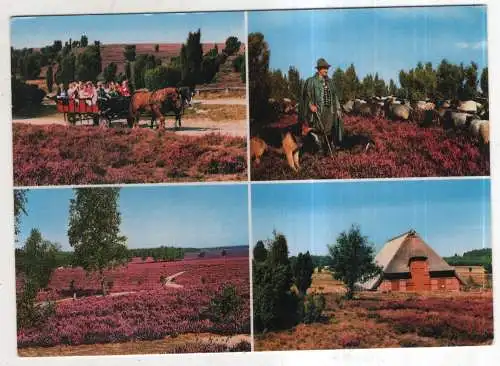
(470, 269)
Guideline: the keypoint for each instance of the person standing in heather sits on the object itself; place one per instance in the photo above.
(320, 107)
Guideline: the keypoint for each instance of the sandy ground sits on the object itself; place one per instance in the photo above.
(240, 101)
(190, 126)
(133, 347)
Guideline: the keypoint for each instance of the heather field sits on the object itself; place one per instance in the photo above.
(167, 305)
(402, 149)
(377, 320)
(59, 155)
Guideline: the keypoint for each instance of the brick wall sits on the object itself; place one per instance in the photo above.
(420, 278)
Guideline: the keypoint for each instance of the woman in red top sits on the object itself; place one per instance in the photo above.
(125, 91)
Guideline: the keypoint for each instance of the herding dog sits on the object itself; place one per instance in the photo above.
(297, 139)
(290, 141)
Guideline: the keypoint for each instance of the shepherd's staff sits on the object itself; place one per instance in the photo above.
(324, 133)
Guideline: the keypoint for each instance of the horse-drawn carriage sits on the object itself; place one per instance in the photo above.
(100, 113)
(158, 103)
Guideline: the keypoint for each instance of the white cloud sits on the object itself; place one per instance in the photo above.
(481, 45)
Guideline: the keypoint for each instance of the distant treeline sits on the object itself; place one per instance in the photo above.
(164, 253)
(317, 260)
(476, 257)
(446, 81)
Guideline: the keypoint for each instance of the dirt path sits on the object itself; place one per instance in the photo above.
(194, 126)
(221, 101)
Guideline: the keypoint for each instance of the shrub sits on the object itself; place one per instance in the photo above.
(29, 314)
(275, 306)
(161, 77)
(314, 305)
(225, 303)
(25, 95)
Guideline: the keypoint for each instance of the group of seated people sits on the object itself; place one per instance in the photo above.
(91, 93)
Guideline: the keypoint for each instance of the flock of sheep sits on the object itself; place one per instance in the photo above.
(468, 116)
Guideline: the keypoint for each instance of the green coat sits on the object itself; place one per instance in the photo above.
(312, 93)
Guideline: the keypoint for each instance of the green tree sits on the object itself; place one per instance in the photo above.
(351, 85)
(129, 53)
(84, 41)
(109, 72)
(275, 305)
(470, 85)
(393, 89)
(49, 78)
(449, 80)
(32, 66)
(353, 259)
(20, 208)
(39, 259)
(232, 45)
(191, 59)
(239, 63)
(128, 72)
(88, 64)
(338, 80)
(161, 77)
(258, 69)
(210, 65)
(368, 86)
(259, 252)
(295, 83)
(302, 272)
(280, 87)
(380, 89)
(66, 72)
(94, 230)
(141, 65)
(278, 250)
(57, 46)
(484, 82)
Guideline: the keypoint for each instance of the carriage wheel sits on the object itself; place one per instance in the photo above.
(104, 122)
(72, 118)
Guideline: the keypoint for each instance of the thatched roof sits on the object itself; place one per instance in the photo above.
(396, 254)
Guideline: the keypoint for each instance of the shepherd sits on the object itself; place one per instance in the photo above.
(320, 109)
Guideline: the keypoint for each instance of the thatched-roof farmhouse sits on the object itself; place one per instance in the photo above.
(409, 264)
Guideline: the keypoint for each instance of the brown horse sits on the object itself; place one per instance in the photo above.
(157, 102)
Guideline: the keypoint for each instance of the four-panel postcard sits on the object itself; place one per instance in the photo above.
(249, 181)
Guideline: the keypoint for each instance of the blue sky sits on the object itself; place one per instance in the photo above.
(126, 28)
(452, 216)
(197, 216)
(383, 40)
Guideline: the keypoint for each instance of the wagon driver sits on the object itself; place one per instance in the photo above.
(320, 107)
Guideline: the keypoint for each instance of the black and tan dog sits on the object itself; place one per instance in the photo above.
(295, 140)
(292, 141)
